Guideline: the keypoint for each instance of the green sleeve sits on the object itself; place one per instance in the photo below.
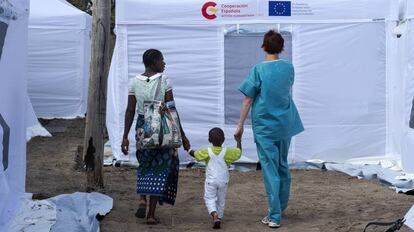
(232, 154)
(201, 155)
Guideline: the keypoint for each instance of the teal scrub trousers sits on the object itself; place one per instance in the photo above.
(275, 169)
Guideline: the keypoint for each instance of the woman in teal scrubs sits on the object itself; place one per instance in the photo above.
(275, 119)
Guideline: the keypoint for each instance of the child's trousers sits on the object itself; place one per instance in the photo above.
(215, 196)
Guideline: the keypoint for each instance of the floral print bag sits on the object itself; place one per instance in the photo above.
(161, 127)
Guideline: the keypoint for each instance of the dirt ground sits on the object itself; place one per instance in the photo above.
(320, 201)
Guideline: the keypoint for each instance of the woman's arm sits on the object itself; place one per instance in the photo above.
(247, 103)
(129, 118)
(169, 96)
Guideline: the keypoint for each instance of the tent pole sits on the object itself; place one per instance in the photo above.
(95, 118)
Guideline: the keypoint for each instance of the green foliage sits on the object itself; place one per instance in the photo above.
(80, 4)
(83, 5)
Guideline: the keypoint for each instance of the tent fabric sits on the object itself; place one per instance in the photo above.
(34, 128)
(252, 11)
(341, 100)
(408, 94)
(59, 55)
(409, 14)
(56, 14)
(13, 108)
(348, 86)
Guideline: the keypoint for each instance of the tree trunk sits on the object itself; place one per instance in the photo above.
(95, 118)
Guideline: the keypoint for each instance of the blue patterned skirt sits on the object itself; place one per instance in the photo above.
(157, 173)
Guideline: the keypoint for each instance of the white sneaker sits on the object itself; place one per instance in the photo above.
(267, 221)
(273, 225)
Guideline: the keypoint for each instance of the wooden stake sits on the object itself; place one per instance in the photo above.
(95, 118)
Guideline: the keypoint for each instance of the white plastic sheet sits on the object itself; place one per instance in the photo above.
(374, 172)
(409, 217)
(74, 212)
(34, 216)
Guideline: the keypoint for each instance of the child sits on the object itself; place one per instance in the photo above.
(217, 173)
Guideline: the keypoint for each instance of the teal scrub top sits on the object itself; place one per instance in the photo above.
(274, 115)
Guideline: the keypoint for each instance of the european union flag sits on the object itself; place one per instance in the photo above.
(280, 8)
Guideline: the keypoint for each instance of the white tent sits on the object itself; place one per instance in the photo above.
(59, 55)
(405, 87)
(352, 99)
(14, 16)
(34, 128)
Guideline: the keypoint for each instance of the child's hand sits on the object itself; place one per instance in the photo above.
(191, 152)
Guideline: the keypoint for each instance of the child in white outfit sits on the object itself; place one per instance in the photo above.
(217, 161)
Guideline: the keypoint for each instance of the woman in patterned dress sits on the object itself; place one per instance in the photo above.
(157, 174)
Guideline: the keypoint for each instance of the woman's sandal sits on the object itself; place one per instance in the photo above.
(152, 221)
(141, 211)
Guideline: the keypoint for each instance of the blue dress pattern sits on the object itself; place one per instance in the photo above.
(157, 173)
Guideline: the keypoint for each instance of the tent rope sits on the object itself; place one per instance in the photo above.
(395, 225)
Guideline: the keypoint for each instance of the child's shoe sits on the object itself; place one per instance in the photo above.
(216, 224)
(216, 221)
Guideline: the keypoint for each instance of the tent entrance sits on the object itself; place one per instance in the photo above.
(241, 52)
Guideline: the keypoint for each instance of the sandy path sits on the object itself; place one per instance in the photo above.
(320, 201)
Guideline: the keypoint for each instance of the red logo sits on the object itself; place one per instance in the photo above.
(209, 11)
